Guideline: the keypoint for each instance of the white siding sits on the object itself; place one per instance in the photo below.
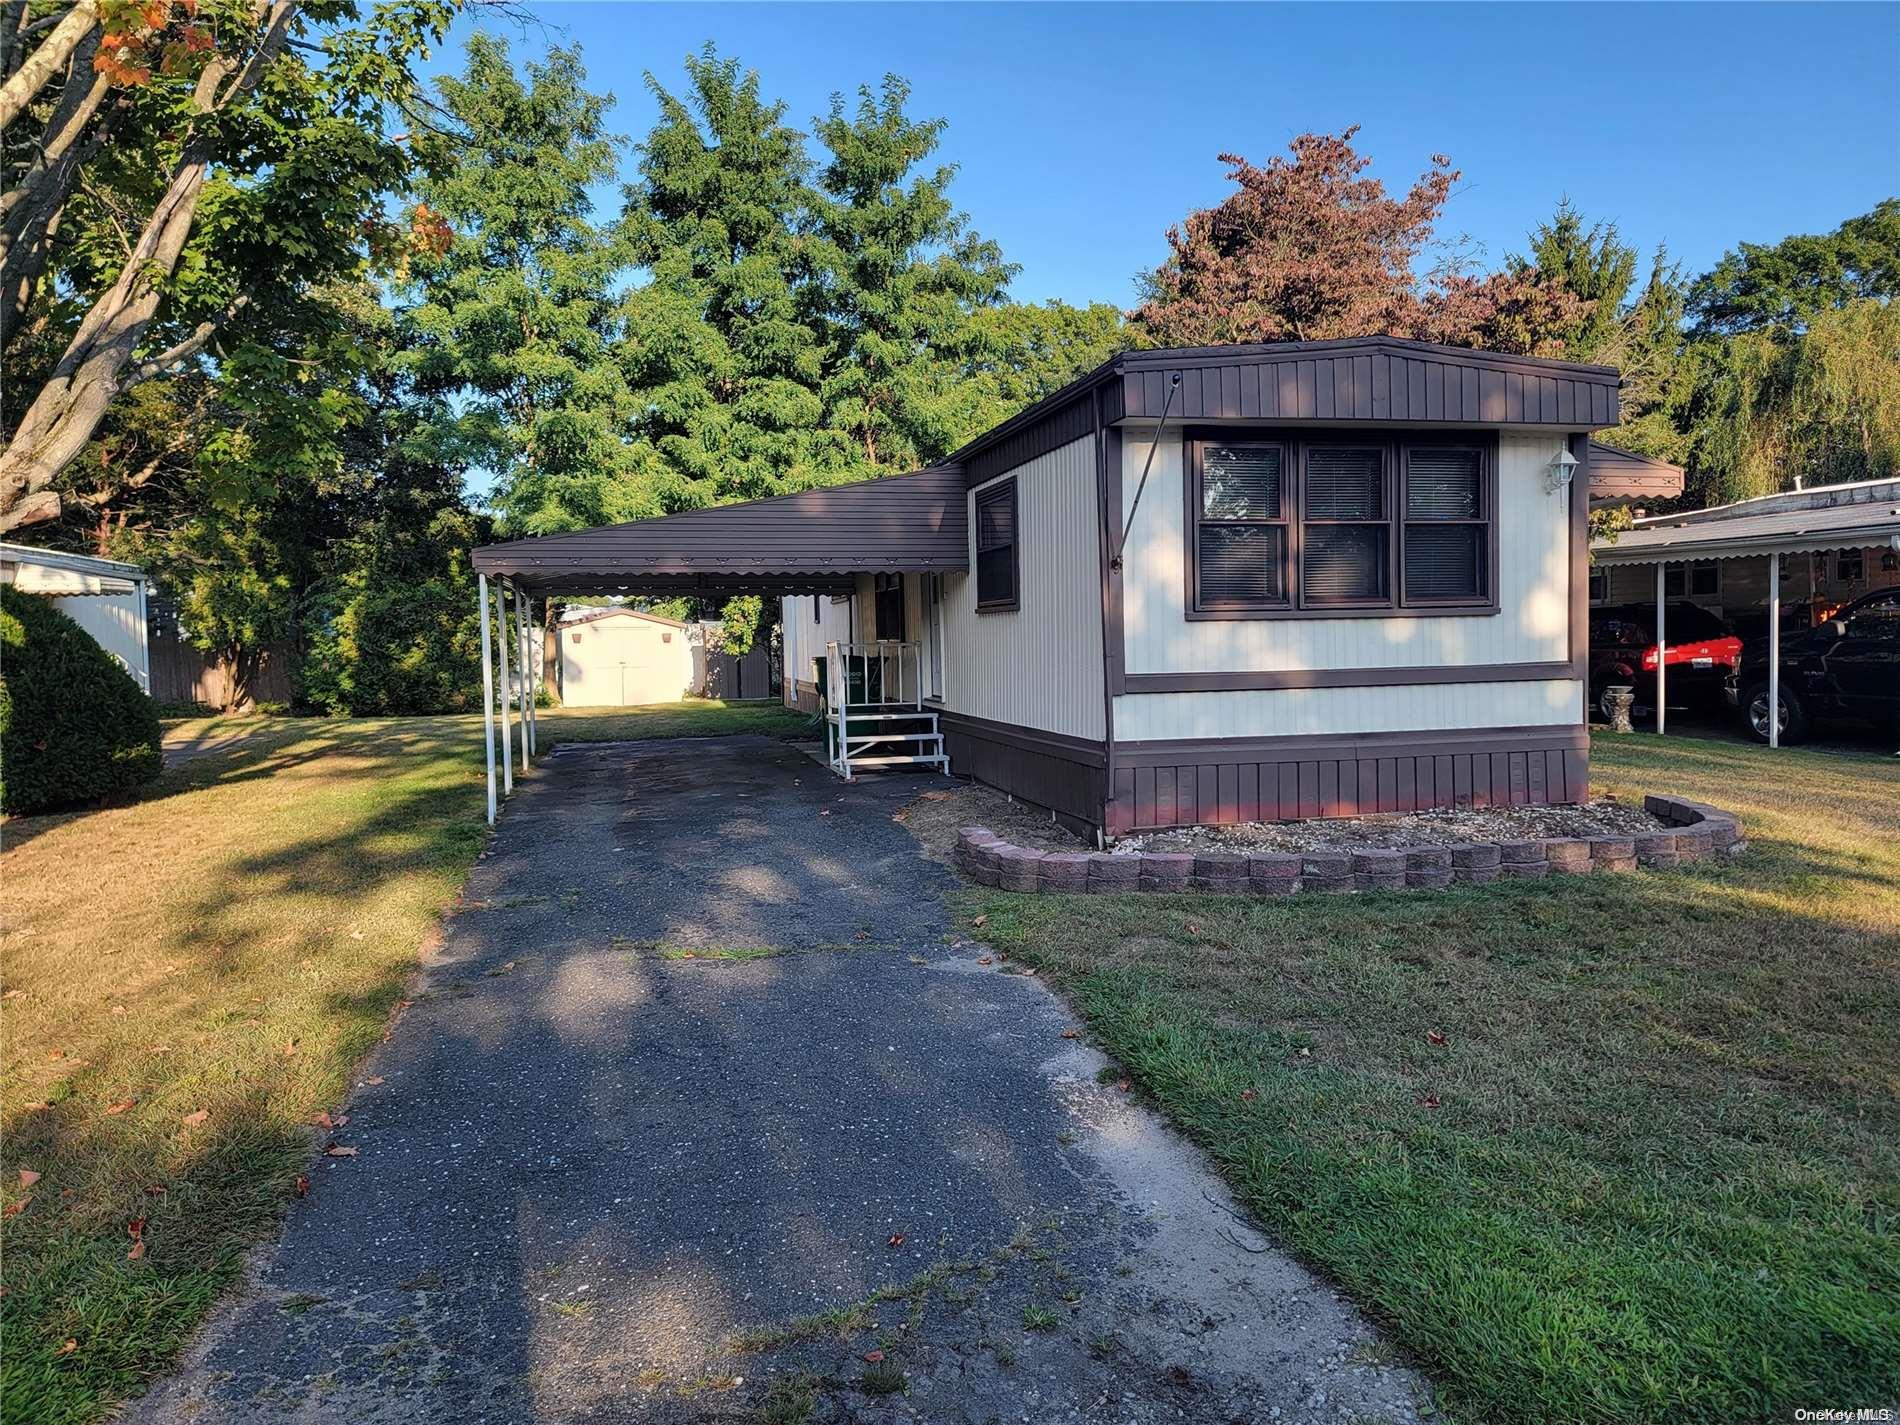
(1302, 712)
(1533, 586)
(116, 624)
(805, 637)
(1040, 666)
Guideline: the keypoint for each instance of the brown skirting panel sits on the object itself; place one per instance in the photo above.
(1211, 781)
(802, 695)
(1051, 769)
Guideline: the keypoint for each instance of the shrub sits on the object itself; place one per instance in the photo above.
(74, 726)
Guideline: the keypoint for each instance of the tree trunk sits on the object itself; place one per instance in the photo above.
(551, 647)
(239, 663)
(29, 214)
(38, 68)
(66, 413)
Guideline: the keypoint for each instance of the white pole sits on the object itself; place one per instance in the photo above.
(521, 643)
(1774, 650)
(501, 643)
(534, 685)
(1662, 653)
(488, 696)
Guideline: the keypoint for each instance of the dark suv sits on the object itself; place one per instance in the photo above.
(1848, 667)
(1702, 650)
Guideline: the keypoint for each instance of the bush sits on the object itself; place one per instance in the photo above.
(74, 726)
(394, 649)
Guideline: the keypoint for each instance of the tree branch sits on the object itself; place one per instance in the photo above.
(24, 85)
(191, 346)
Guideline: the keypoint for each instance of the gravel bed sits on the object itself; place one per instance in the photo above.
(1424, 828)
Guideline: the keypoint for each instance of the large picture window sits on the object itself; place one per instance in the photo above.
(996, 548)
(1324, 524)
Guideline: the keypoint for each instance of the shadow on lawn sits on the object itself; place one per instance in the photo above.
(583, 1168)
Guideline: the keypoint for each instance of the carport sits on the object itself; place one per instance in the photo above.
(812, 542)
(1863, 519)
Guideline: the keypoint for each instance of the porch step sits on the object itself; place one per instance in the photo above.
(933, 760)
(861, 739)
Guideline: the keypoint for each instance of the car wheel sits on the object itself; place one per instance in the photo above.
(1793, 715)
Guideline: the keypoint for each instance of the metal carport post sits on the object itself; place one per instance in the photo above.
(488, 695)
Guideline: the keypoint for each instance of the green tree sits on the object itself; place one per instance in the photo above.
(1595, 264)
(1785, 285)
(1791, 367)
(900, 279)
(1023, 351)
(720, 346)
(173, 169)
(1638, 331)
(516, 314)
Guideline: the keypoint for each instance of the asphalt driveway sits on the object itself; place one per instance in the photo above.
(703, 1112)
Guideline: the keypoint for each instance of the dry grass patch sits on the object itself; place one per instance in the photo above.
(189, 981)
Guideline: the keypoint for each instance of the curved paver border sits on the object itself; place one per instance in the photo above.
(1698, 830)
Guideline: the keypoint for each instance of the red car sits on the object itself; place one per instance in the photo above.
(1702, 649)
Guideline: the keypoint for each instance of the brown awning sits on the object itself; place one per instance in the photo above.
(1619, 476)
(812, 542)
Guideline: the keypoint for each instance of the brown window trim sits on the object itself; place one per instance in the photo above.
(1015, 600)
(1298, 441)
(1487, 450)
(1286, 522)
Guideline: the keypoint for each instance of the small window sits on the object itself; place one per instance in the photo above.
(996, 548)
(1446, 543)
(1345, 531)
(816, 617)
(1849, 567)
(1240, 537)
(1599, 586)
(1692, 581)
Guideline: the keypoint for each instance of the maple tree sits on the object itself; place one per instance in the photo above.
(173, 169)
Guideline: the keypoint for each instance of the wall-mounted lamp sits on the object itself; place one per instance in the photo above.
(1561, 470)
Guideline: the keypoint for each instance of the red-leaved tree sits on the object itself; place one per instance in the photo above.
(1309, 249)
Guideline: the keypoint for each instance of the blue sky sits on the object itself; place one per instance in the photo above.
(1082, 131)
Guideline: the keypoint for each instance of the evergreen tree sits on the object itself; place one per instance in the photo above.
(900, 278)
(720, 346)
(1592, 262)
(517, 313)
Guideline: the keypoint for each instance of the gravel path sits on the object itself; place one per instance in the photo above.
(600, 1179)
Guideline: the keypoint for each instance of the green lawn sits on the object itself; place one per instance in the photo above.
(230, 945)
(1653, 1173)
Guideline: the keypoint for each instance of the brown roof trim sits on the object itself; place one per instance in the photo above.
(1381, 378)
(1362, 345)
(1619, 474)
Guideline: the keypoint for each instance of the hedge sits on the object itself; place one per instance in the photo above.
(74, 726)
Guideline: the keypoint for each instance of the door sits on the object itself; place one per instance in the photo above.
(1863, 668)
(933, 635)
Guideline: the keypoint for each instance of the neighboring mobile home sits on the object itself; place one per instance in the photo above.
(1199, 585)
